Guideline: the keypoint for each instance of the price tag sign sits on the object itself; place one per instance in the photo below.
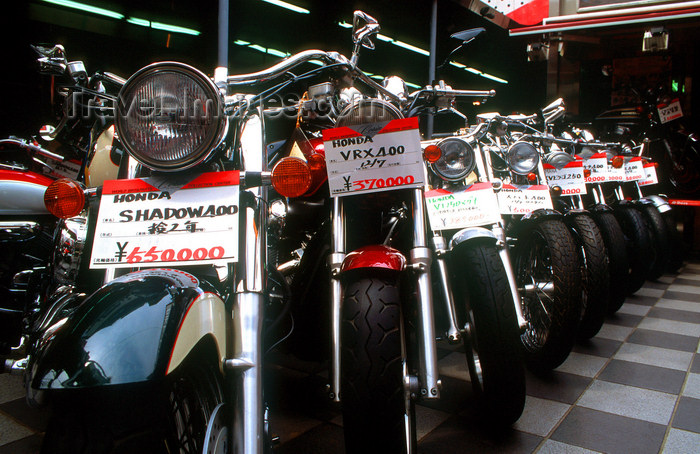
(146, 221)
(670, 112)
(616, 174)
(523, 199)
(598, 165)
(62, 169)
(650, 177)
(476, 205)
(634, 169)
(374, 157)
(569, 178)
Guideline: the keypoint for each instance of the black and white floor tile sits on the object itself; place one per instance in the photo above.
(634, 388)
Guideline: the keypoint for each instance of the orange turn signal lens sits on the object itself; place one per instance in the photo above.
(64, 198)
(531, 177)
(586, 173)
(291, 177)
(432, 153)
(617, 161)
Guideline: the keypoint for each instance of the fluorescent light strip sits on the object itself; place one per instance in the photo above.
(174, 28)
(344, 24)
(289, 6)
(161, 26)
(86, 8)
(264, 50)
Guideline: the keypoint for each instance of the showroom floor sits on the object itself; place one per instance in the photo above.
(634, 388)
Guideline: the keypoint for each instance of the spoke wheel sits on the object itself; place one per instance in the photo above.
(547, 267)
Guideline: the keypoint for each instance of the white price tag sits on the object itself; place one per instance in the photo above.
(522, 199)
(598, 165)
(670, 112)
(569, 178)
(616, 174)
(650, 177)
(147, 222)
(374, 157)
(62, 169)
(634, 169)
(476, 205)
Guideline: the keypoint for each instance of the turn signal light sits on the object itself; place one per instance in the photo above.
(64, 198)
(291, 177)
(586, 173)
(531, 177)
(432, 153)
(556, 190)
(617, 161)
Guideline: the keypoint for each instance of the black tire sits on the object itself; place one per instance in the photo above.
(139, 419)
(638, 246)
(595, 275)
(618, 266)
(546, 255)
(675, 261)
(372, 392)
(492, 342)
(660, 244)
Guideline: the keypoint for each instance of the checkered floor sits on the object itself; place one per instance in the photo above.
(634, 388)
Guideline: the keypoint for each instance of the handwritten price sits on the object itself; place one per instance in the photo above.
(168, 255)
(361, 185)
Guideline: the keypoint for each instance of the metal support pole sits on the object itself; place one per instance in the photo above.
(222, 57)
(431, 63)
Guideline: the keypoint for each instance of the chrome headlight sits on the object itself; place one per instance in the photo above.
(559, 159)
(170, 116)
(456, 161)
(522, 158)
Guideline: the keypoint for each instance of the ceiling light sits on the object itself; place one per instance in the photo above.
(161, 26)
(289, 6)
(174, 28)
(87, 8)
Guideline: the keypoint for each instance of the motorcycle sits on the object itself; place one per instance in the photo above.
(545, 256)
(480, 303)
(565, 177)
(78, 147)
(654, 122)
(357, 236)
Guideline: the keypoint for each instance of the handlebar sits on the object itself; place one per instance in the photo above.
(32, 148)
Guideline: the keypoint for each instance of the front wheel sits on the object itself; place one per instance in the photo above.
(547, 268)
(492, 334)
(660, 243)
(614, 240)
(372, 364)
(595, 274)
(638, 246)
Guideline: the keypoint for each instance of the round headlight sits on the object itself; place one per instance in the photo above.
(523, 158)
(170, 116)
(558, 159)
(457, 160)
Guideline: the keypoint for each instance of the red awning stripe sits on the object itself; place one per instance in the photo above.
(606, 22)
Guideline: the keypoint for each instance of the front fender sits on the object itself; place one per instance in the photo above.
(374, 256)
(137, 328)
(659, 202)
(531, 218)
(472, 233)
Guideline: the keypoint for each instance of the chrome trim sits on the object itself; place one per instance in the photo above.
(248, 420)
(508, 266)
(470, 233)
(420, 259)
(336, 260)
(285, 65)
(453, 334)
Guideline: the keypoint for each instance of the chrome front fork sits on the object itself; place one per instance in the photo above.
(508, 266)
(419, 263)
